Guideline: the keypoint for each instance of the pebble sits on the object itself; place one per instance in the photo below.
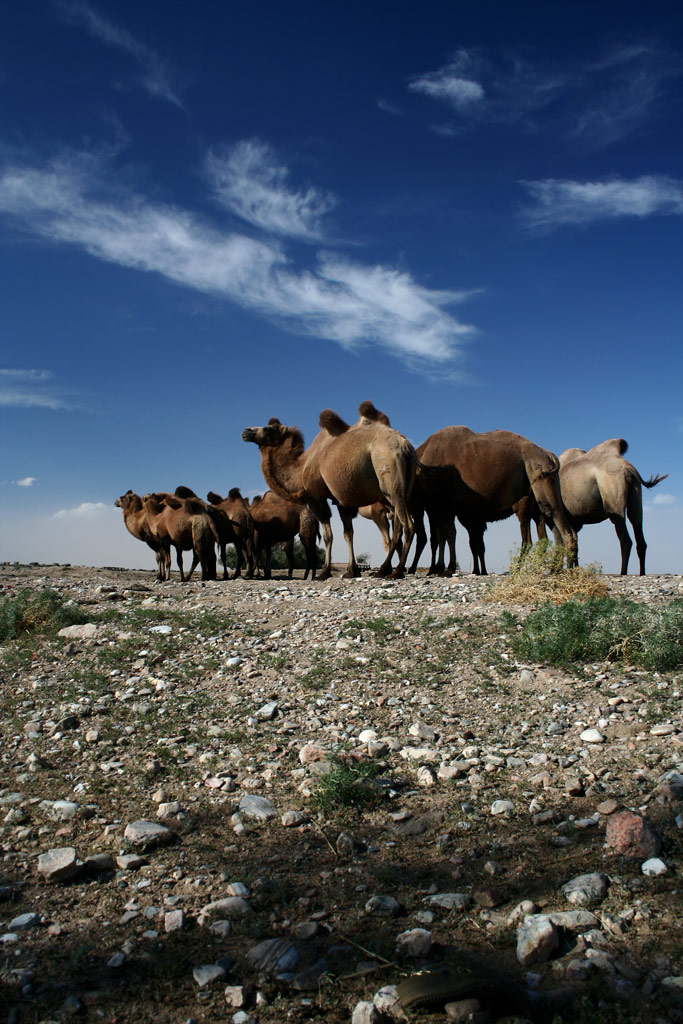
(24, 921)
(59, 864)
(148, 834)
(415, 942)
(505, 807)
(652, 867)
(257, 807)
(537, 940)
(631, 835)
(84, 632)
(207, 974)
(585, 889)
(274, 956)
(592, 736)
(383, 906)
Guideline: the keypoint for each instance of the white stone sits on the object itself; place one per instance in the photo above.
(208, 973)
(414, 942)
(537, 940)
(257, 807)
(654, 866)
(84, 632)
(502, 807)
(365, 1013)
(147, 834)
(592, 736)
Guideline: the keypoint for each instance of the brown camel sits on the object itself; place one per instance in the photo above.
(135, 518)
(351, 466)
(278, 521)
(241, 525)
(479, 478)
(597, 485)
(237, 532)
(184, 525)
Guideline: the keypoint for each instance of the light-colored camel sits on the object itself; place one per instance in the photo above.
(238, 532)
(351, 466)
(596, 485)
(135, 519)
(277, 521)
(479, 478)
(241, 526)
(184, 525)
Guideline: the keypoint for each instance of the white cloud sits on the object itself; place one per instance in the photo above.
(156, 79)
(459, 93)
(664, 499)
(345, 301)
(86, 510)
(15, 394)
(26, 481)
(557, 202)
(248, 180)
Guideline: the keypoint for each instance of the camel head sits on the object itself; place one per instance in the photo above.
(129, 500)
(270, 436)
(213, 498)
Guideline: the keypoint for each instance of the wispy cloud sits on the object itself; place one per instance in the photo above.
(664, 499)
(156, 72)
(26, 481)
(29, 389)
(598, 102)
(86, 510)
(249, 180)
(556, 202)
(336, 298)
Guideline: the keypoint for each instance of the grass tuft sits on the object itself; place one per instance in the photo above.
(539, 575)
(41, 612)
(604, 630)
(347, 785)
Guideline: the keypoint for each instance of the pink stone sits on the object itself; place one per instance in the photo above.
(631, 836)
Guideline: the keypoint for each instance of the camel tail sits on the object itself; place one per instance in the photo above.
(653, 480)
(204, 540)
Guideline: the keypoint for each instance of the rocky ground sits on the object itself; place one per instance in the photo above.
(174, 847)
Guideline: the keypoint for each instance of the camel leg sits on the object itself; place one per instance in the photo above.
(404, 531)
(311, 559)
(477, 548)
(222, 547)
(195, 563)
(179, 559)
(625, 541)
(267, 555)
(322, 510)
(634, 510)
(347, 516)
(449, 538)
(289, 553)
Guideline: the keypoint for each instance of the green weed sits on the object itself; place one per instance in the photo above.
(347, 785)
(538, 575)
(41, 612)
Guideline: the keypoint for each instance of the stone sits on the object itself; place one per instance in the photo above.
(414, 942)
(174, 921)
(449, 900)
(585, 889)
(574, 920)
(274, 956)
(235, 996)
(608, 806)
(257, 807)
(24, 921)
(63, 810)
(130, 861)
(537, 940)
(652, 867)
(631, 835)
(591, 736)
(267, 713)
(231, 906)
(505, 807)
(169, 810)
(290, 819)
(365, 1013)
(387, 1002)
(84, 632)
(462, 1010)
(58, 865)
(383, 906)
(148, 834)
(207, 974)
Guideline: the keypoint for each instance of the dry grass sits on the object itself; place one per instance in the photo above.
(539, 576)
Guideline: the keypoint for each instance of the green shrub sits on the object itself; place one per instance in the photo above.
(348, 784)
(36, 612)
(604, 630)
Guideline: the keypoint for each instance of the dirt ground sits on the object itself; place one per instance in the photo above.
(259, 688)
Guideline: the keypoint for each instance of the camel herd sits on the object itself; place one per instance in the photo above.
(370, 468)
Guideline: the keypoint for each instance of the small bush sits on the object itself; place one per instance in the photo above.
(604, 630)
(348, 784)
(31, 612)
(539, 575)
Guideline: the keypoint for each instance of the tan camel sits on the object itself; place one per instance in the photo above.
(135, 519)
(237, 532)
(479, 478)
(278, 521)
(241, 526)
(351, 466)
(184, 525)
(596, 485)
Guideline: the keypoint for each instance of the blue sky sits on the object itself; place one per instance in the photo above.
(217, 214)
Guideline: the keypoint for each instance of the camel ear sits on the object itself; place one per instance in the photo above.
(332, 423)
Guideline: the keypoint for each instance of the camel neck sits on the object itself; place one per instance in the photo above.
(282, 471)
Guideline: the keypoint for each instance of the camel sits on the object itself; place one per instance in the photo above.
(479, 478)
(135, 518)
(238, 531)
(184, 525)
(349, 465)
(241, 525)
(596, 485)
(278, 521)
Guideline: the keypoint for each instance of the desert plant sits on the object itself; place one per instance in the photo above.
(36, 612)
(348, 784)
(604, 630)
(538, 574)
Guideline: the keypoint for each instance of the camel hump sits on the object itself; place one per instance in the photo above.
(172, 501)
(332, 423)
(213, 498)
(234, 493)
(184, 492)
(367, 411)
(274, 422)
(193, 505)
